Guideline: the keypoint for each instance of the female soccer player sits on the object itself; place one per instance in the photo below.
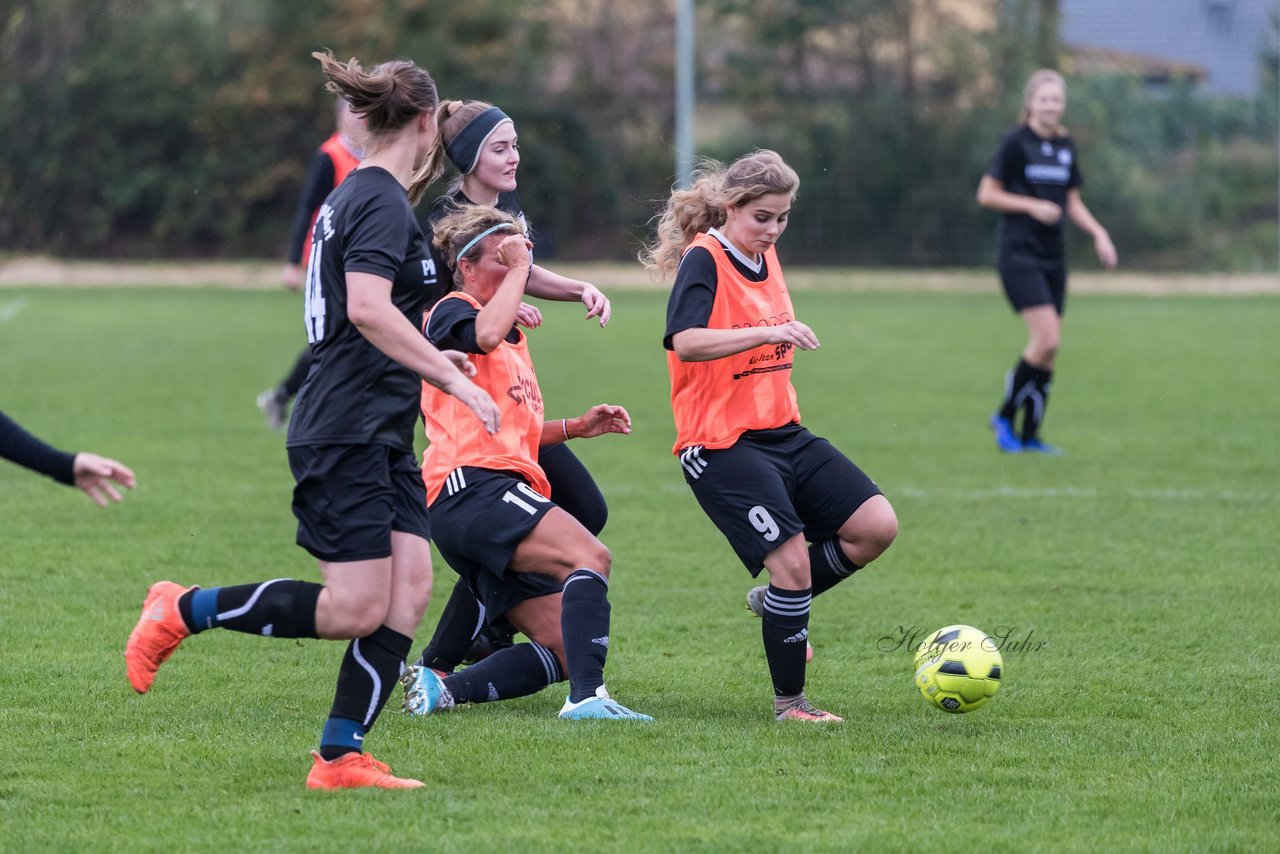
(334, 160)
(359, 498)
(766, 482)
(1032, 179)
(481, 143)
(528, 561)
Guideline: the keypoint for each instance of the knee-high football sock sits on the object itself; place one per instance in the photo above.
(516, 671)
(282, 608)
(370, 668)
(1018, 383)
(584, 626)
(785, 630)
(1036, 403)
(829, 565)
(460, 622)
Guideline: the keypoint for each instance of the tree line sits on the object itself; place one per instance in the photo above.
(155, 128)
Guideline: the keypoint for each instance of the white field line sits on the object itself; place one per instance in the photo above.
(10, 309)
(1018, 493)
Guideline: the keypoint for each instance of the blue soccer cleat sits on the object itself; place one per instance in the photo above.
(1035, 446)
(1006, 440)
(424, 692)
(601, 707)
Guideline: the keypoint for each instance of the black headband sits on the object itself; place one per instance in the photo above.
(465, 148)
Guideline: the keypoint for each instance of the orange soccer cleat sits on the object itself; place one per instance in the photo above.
(355, 771)
(159, 631)
(801, 709)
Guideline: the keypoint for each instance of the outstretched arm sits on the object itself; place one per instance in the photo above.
(596, 421)
(370, 308)
(545, 284)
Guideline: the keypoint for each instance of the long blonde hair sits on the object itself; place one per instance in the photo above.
(703, 206)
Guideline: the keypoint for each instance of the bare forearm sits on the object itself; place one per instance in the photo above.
(704, 345)
(1082, 217)
(547, 285)
(499, 314)
(392, 333)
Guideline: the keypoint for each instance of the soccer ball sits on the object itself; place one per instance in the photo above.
(958, 668)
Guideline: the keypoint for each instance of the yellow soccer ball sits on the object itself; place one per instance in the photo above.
(958, 668)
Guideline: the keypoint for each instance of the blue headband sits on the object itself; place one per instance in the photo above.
(481, 236)
(464, 151)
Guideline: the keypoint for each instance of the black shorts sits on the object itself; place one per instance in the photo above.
(479, 518)
(1029, 282)
(773, 484)
(349, 498)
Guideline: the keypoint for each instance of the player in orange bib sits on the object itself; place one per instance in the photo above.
(787, 500)
(528, 561)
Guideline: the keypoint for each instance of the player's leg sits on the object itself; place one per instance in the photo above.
(573, 489)
(1044, 326)
(459, 625)
(1027, 289)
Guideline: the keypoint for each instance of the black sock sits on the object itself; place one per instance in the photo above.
(516, 671)
(829, 565)
(584, 626)
(785, 630)
(1017, 385)
(289, 388)
(281, 608)
(460, 622)
(369, 671)
(1036, 403)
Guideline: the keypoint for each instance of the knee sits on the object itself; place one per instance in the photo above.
(360, 616)
(593, 555)
(873, 531)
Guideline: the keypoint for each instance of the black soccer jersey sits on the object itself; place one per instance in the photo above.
(508, 202)
(354, 393)
(1044, 168)
(694, 293)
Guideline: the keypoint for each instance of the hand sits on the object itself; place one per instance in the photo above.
(461, 361)
(513, 251)
(793, 332)
(597, 304)
(1106, 250)
(528, 316)
(1045, 211)
(94, 476)
(477, 400)
(601, 419)
(291, 276)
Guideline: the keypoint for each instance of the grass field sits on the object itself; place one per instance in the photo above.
(1137, 575)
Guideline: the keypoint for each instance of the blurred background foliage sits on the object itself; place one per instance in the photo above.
(182, 128)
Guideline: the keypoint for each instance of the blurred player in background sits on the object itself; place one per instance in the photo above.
(333, 161)
(359, 496)
(95, 476)
(1034, 178)
(529, 562)
(481, 143)
(766, 482)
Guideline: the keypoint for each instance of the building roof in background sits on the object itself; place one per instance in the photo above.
(1225, 38)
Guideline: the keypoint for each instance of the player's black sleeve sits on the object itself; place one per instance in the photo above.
(379, 234)
(19, 446)
(452, 326)
(1006, 159)
(315, 189)
(693, 295)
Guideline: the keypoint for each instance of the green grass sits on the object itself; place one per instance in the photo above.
(1141, 568)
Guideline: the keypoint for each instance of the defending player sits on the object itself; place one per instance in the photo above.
(1033, 178)
(528, 561)
(359, 497)
(766, 482)
(481, 143)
